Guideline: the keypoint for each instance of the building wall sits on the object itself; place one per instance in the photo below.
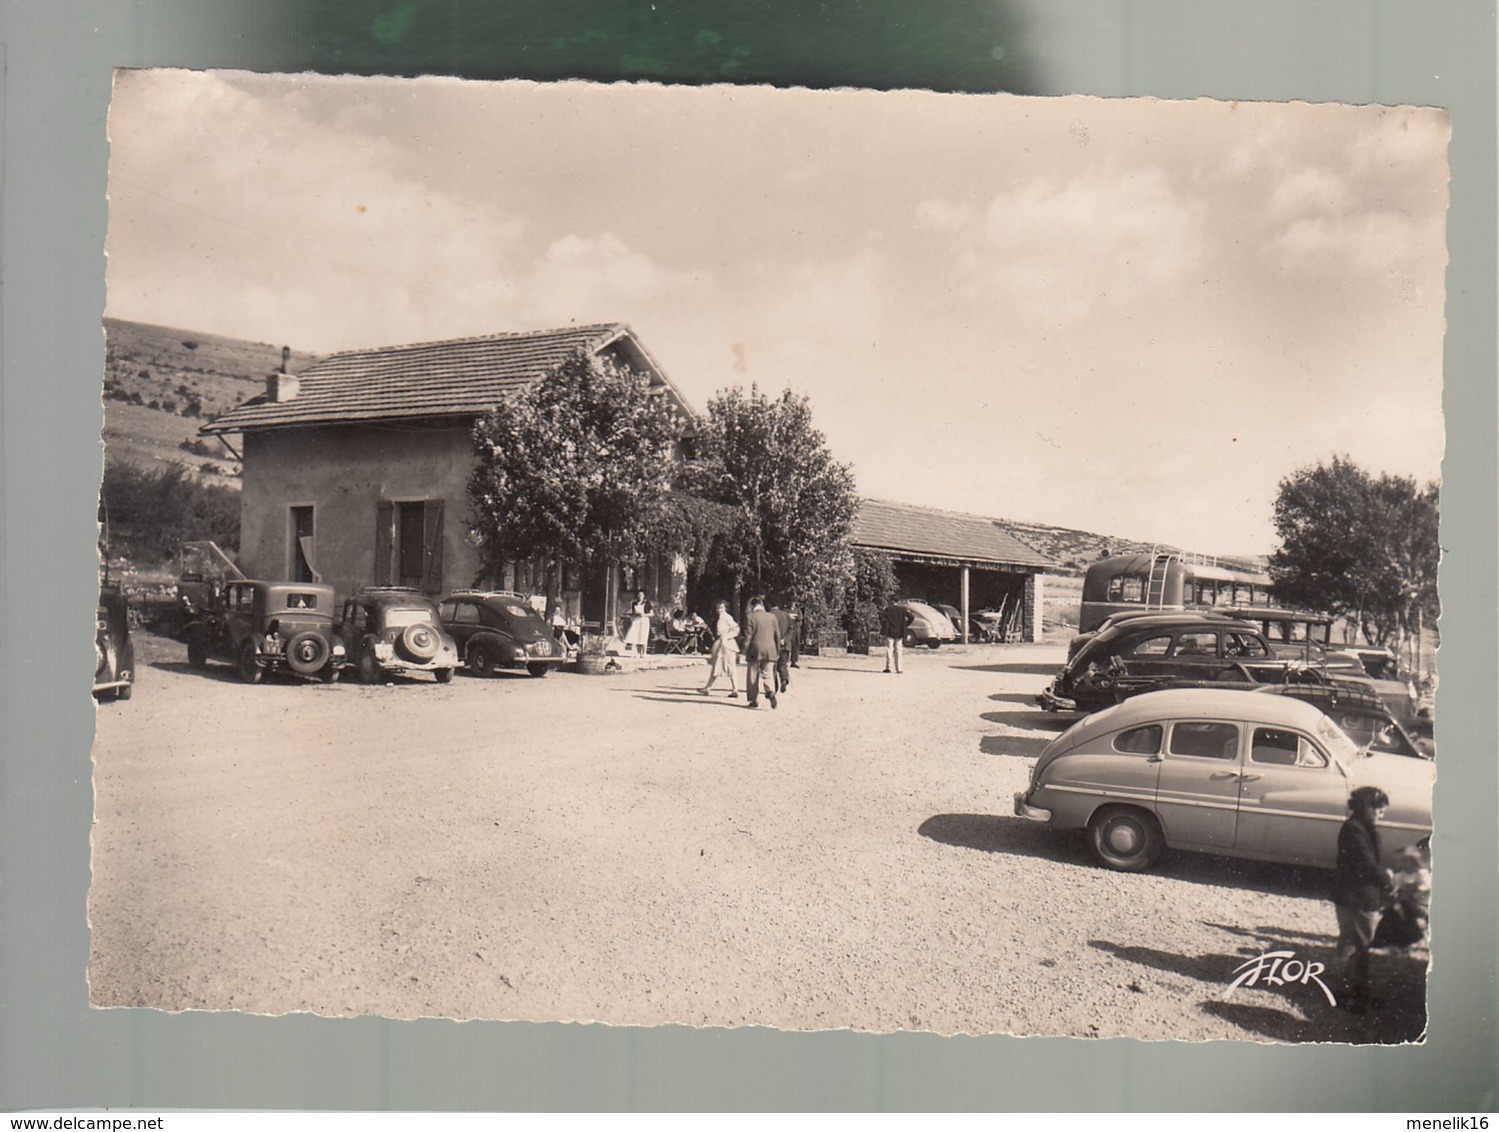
(344, 473)
(1035, 605)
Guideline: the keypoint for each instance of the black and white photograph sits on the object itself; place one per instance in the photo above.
(735, 556)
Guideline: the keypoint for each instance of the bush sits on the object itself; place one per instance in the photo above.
(151, 511)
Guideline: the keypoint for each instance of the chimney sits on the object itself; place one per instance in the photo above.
(282, 386)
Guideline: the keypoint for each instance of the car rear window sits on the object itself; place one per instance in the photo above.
(1151, 646)
(515, 609)
(1140, 740)
(1205, 740)
(400, 618)
(301, 601)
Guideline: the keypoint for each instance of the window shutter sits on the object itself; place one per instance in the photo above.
(385, 518)
(432, 545)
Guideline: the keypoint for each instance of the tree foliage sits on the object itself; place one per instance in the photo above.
(1358, 546)
(796, 504)
(148, 512)
(575, 469)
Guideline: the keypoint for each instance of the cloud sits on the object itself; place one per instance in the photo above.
(598, 277)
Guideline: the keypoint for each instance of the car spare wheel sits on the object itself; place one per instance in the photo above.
(307, 652)
(1124, 838)
(418, 642)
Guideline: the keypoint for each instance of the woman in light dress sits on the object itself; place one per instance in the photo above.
(638, 635)
(725, 651)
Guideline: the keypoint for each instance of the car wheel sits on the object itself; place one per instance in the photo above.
(536, 669)
(1124, 838)
(248, 664)
(911, 641)
(307, 653)
(331, 673)
(934, 644)
(369, 666)
(480, 661)
(197, 650)
(123, 692)
(444, 675)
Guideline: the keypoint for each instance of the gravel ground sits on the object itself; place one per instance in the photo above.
(620, 849)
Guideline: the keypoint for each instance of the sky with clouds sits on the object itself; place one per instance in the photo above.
(1127, 316)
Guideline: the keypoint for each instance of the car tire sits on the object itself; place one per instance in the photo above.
(934, 644)
(480, 661)
(248, 664)
(369, 666)
(537, 669)
(197, 650)
(307, 653)
(1124, 838)
(911, 641)
(444, 675)
(330, 673)
(123, 692)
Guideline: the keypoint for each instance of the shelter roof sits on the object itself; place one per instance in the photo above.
(903, 530)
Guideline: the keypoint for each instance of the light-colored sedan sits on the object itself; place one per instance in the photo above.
(1227, 772)
(930, 626)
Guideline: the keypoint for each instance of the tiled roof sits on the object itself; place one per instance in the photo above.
(461, 377)
(951, 535)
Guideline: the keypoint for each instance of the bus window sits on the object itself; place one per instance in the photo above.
(1127, 587)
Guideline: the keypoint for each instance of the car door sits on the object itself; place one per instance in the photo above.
(1197, 789)
(1292, 799)
(461, 620)
(239, 613)
(1194, 656)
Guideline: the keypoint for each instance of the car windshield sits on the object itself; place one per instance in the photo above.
(1343, 749)
(400, 617)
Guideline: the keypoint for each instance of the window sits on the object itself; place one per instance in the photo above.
(1243, 645)
(1127, 588)
(1151, 646)
(1276, 747)
(1205, 740)
(464, 613)
(301, 547)
(1197, 644)
(301, 601)
(1140, 740)
(408, 544)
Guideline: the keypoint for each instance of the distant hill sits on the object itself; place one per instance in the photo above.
(1073, 550)
(162, 383)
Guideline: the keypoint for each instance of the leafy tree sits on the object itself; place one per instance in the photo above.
(1358, 546)
(575, 469)
(148, 512)
(796, 504)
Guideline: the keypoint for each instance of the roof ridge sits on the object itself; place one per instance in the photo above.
(936, 510)
(600, 328)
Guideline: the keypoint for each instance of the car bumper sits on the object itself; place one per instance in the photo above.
(111, 685)
(1024, 809)
(1053, 702)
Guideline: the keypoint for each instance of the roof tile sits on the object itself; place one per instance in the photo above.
(903, 527)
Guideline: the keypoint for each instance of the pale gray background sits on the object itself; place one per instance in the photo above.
(55, 1052)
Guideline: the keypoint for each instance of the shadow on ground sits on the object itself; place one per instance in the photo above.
(1028, 720)
(1014, 668)
(1014, 746)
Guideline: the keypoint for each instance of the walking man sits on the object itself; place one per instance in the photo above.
(761, 649)
(895, 619)
(783, 657)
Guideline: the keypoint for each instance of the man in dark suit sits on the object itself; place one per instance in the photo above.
(762, 635)
(783, 658)
(895, 619)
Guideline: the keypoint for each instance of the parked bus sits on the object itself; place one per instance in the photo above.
(1166, 580)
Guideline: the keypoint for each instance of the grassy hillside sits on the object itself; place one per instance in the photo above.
(161, 384)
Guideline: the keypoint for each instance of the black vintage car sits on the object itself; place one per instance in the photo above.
(114, 654)
(499, 629)
(262, 627)
(1165, 650)
(393, 629)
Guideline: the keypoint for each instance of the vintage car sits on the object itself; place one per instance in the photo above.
(1380, 668)
(1149, 652)
(114, 654)
(499, 629)
(262, 627)
(391, 629)
(1236, 773)
(930, 627)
